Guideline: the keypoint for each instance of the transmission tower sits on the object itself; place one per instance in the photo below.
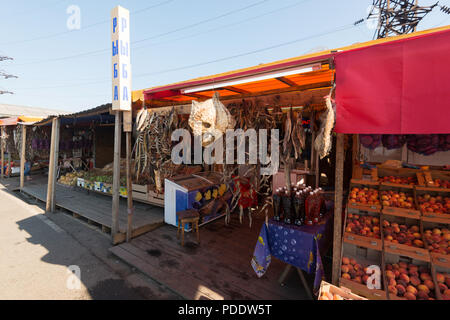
(397, 17)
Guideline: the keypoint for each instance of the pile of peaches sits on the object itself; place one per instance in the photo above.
(402, 234)
(443, 281)
(367, 226)
(438, 240)
(352, 270)
(399, 180)
(364, 196)
(410, 281)
(434, 204)
(391, 198)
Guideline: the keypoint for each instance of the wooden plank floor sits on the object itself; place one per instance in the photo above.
(218, 268)
(95, 207)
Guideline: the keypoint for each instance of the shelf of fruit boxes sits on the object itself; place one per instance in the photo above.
(399, 200)
(408, 278)
(354, 274)
(404, 236)
(329, 292)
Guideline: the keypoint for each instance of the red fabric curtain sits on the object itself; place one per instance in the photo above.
(400, 87)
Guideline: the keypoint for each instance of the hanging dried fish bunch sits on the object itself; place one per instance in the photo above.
(323, 141)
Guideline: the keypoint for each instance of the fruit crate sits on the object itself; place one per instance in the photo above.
(365, 176)
(364, 197)
(329, 292)
(393, 196)
(437, 239)
(404, 236)
(435, 180)
(398, 177)
(431, 211)
(417, 273)
(360, 258)
(353, 233)
(441, 277)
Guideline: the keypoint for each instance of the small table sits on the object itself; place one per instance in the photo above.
(299, 247)
(188, 216)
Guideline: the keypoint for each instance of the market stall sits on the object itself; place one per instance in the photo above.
(394, 98)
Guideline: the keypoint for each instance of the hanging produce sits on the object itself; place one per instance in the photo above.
(323, 141)
(393, 141)
(370, 141)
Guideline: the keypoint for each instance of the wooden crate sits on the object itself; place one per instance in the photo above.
(384, 171)
(365, 257)
(390, 258)
(143, 193)
(404, 249)
(439, 269)
(440, 259)
(413, 213)
(345, 293)
(359, 240)
(355, 183)
(429, 176)
(432, 216)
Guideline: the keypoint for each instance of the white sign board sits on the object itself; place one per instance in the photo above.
(121, 60)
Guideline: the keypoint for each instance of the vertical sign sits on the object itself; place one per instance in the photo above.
(121, 62)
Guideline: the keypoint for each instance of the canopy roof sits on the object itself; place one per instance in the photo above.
(276, 77)
(100, 114)
(399, 87)
(12, 121)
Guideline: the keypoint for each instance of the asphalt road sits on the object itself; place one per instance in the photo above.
(39, 253)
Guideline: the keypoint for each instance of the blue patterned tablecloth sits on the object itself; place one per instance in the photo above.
(297, 246)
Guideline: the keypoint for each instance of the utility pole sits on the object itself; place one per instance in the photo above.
(397, 17)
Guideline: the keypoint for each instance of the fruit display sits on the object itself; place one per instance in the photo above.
(362, 225)
(402, 234)
(443, 282)
(434, 204)
(364, 196)
(410, 281)
(438, 240)
(354, 271)
(70, 179)
(399, 180)
(392, 198)
(438, 183)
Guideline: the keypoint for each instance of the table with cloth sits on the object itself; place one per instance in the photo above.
(298, 246)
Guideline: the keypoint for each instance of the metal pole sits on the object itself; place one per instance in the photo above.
(116, 177)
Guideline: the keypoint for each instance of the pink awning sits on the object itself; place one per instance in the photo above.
(399, 87)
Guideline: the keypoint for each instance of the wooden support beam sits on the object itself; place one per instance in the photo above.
(22, 156)
(116, 176)
(129, 189)
(3, 152)
(237, 90)
(286, 81)
(196, 96)
(338, 195)
(50, 205)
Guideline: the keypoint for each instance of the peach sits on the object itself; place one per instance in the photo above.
(392, 282)
(393, 290)
(365, 278)
(345, 269)
(440, 278)
(346, 276)
(410, 296)
(403, 265)
(422, 287)
(400, 289)
(422, 295)
(358, 279)
(390, 274)
(357, 267)
(404, 277)
(429, 284)
(442, 287)
(418, 243)
(415, 281)
(345, 260)
(425, 276)
(411, 289)
(352, 261)
(413, 268)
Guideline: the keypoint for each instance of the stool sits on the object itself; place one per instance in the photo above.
(188, 216)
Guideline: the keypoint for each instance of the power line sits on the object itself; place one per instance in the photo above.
(342, 28)
(85, 27)
(146, 39)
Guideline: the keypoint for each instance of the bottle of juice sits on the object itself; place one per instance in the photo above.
(309, 208)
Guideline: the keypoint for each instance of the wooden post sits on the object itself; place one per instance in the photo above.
(116, 177)
(339, 189)
(22, 156)
(355, 155)
(3, 152)
(129, 189)
(52, 167)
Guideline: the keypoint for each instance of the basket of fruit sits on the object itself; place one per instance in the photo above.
(364, 198)
(437, 241)
(434, 206)
(363, 229)
(400, 203)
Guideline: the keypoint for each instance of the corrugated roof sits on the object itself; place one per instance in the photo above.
(105, 108)
(10, 110)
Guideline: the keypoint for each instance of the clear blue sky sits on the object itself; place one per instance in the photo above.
(177, 37)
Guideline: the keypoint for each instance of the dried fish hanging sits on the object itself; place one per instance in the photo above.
(152, 150)
(323, 142)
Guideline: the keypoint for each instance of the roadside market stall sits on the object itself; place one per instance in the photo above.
(393, 101)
